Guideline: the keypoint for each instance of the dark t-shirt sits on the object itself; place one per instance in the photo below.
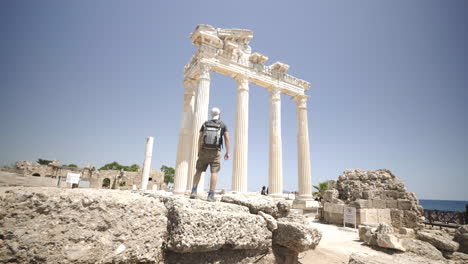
(223, 129)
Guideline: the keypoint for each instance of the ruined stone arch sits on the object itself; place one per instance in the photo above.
(106, 182)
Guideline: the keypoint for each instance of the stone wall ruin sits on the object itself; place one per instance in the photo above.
(378, 196)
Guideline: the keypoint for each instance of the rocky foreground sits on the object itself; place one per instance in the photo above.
(51, 225)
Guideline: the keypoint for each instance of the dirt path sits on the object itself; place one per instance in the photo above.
(336, 246)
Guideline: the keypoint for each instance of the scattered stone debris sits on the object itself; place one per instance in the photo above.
(54, 225)
(461, 236)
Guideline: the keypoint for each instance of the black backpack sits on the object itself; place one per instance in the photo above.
(211, 138)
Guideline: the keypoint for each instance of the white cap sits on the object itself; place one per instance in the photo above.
(215, 113)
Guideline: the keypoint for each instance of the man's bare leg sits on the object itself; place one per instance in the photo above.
(214, 179)
(196, 179)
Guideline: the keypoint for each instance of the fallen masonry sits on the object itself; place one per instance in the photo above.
(378, 196)
(52, 225)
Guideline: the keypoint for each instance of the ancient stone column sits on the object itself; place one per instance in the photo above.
(303, 152)
(239, 166)
(202, 95)
(185, 140)
(275, 178)
(147, 163)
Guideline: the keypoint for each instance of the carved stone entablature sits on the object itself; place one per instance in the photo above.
(258, 58)
(237, 35)
(280, 67)
(206, 34)
(228, 52)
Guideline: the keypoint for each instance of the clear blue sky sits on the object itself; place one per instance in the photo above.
(88, 81)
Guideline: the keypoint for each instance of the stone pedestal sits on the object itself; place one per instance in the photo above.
(202, 95)
(275, 176)
(305, 204)
(185, 139)
(239, 166)
(303, 152)
(147, 163)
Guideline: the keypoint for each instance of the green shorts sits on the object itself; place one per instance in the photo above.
(210, 157)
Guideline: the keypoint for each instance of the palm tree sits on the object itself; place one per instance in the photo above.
(321, 188)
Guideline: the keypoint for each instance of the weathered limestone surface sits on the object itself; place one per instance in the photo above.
(461, 236)
(438, 241)
(459, 258)
(406, 258)
(199, 226)
(257, 203)
(381, 236)
(80, 225)
(295, 234)
(421, 248)
(271, 221)
(109, 226)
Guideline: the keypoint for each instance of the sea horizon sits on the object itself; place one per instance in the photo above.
(445, 205)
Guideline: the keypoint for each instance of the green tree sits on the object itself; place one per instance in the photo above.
(116, 166)
(71, 165)
(43, 161)
(168, 174)
(133, 167)
(321, 188)
(111, 166)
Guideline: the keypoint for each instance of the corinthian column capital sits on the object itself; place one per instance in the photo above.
(242, 83)
(275, 94)
(189, 85)
(301, 101)
(205, 71)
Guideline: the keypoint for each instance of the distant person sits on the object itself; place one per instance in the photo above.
(210, 142)
(264, 192)
(267, 191)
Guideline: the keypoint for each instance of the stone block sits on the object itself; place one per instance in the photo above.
(438, 241)
(296, 235)
(404, 204)
(392, 204)
(421, 248)
(333, 208)
(461, 236)
(330, 195)
(407, 231)
(368, 195)
(379, 204)
(371, 216)
(392, 195)
(200, 226)
(305, 204)
(361, 203)
(333, 213)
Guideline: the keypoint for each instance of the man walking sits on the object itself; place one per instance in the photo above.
(210, 142)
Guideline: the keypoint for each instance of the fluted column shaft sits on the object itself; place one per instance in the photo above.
(303, 152)
(241, 140)
(202, 95)
(185, 140)
(275, 179)
(147, 163)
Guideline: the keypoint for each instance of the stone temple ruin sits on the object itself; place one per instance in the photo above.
(227, 51)
(377, 195)
(26, 173)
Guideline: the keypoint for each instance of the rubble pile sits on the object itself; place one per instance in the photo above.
(53, 225)
(379, 197)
